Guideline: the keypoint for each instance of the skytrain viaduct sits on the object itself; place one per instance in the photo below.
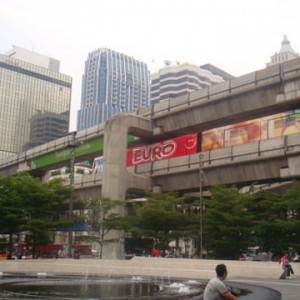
(265, 92)
(272, 90)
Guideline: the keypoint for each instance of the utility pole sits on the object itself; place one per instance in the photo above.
(201, 204)
(72, 147)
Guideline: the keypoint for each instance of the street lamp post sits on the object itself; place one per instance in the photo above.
(72, 175)
(201, 204)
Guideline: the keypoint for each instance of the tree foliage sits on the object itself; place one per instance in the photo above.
(226, 222)
(234, 221)
(102, 216)
(163, 217)
(31, 206)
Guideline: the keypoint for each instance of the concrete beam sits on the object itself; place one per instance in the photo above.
(293, 168)
(237, 108)
(240, 174)
(116, 178)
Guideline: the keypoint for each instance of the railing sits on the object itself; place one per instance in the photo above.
(260, 150)
(269, 76)
(54, 145)
(85, 181)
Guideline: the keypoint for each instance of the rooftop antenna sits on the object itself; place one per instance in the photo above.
(33, 46)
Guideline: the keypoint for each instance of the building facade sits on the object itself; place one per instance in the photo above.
(34, 104)
(285, 53)
(34, 58)
(176, 80)
(112, 83)
(216, 71)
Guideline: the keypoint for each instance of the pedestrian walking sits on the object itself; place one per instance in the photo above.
(286, 267)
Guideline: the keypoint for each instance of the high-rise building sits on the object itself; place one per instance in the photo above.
(176, 80)
(112, 83)
(216, 71)
(34, 101)
(285, 53)
(34, 58)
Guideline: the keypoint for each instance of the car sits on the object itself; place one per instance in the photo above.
(296, 258)
(245, 257)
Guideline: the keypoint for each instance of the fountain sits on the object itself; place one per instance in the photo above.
(26, 286)
(138, 278)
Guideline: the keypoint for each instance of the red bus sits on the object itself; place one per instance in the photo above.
(49, 251)
(60, 250)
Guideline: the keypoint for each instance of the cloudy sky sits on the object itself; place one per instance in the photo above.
(238, 36)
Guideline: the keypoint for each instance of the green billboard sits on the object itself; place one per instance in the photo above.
(87, 147)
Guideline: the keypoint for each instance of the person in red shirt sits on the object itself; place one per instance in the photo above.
(155, 252)
(286, 266)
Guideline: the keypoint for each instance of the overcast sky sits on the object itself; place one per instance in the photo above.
(238, 36)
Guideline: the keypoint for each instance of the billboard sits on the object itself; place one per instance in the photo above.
(179, 146)
(93, 145)
(87, 147)
(252, 130)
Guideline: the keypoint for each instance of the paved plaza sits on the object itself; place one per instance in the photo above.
(265, 274)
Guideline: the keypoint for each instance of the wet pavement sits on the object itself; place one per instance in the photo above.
(289, 288)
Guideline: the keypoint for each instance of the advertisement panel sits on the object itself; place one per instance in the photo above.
(180, 146)
(252, 130)
(87, 147)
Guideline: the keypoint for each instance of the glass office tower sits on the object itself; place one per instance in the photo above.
(34, 105)
(112, 83)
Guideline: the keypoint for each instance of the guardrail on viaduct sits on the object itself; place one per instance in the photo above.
(264, 149)
(242, 84)
(285, 150)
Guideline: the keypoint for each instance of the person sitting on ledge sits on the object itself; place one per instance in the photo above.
(216, 288)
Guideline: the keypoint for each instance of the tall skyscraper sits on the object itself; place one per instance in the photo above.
(176, 80)
(112, 83)
(216, 71)
(285, 53)
(34, 58)
(34, 101)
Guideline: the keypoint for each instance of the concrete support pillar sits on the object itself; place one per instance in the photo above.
(116, 178)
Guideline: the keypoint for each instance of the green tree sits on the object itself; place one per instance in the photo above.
(226, 222)
(164, 217)
(267, 221)
(234, 221)
(290, 213)
(102, 216)
(276, 220)
(32, 207)
(44, 204)
(12, 215)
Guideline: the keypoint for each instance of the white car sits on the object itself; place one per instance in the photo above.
(296, 258)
